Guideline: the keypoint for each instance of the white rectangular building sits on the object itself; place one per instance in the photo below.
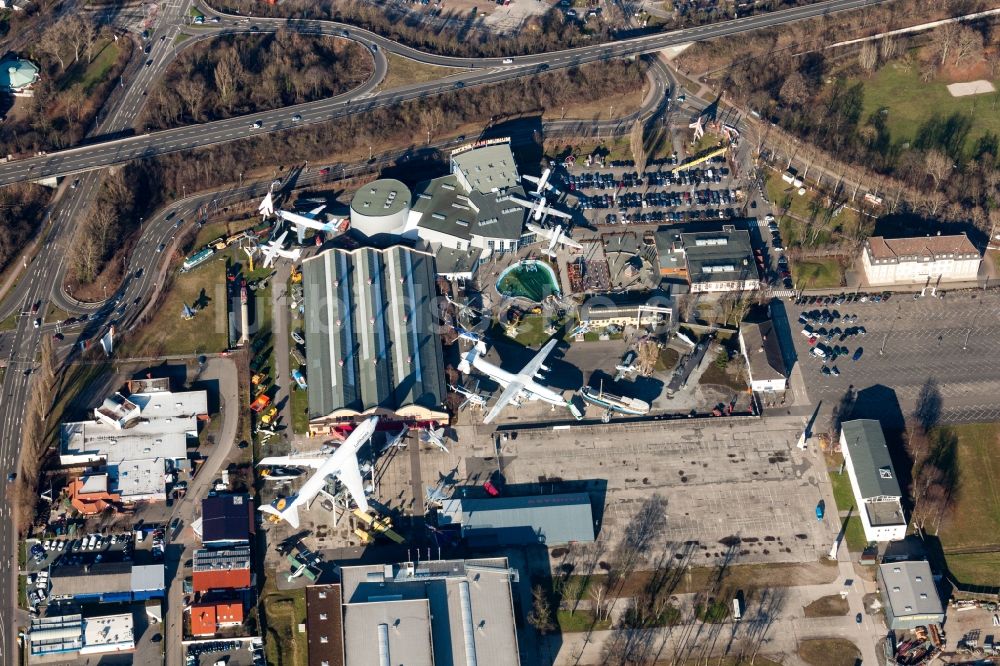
(907, 261)
(762, 351)
(873, 480)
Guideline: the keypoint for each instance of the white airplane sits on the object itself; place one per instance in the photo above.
(699, 128)
(343, 463)
(516, 387)
(542, 184)
(298, 572)
(471, 397)
(273, 250)
(435, 437)
(266, 207)
(556, 236)
(539, 208)
(308, 221)
(397, 440)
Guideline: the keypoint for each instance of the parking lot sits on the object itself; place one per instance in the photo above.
(720, 480)
(621, 195)
(950, 342)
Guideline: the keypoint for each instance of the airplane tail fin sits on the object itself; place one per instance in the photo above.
(284, 509)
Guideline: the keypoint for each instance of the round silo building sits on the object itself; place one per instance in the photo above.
(381, 207)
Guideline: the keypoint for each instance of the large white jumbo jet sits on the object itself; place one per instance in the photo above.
(556, 236)
(516, 387)
(343, 463)
(308, 221)
(273, 250)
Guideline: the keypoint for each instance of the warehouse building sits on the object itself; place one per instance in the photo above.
(708, 261)
(920, 260)
(137, 439)
(551, 520)
(427, 613)
(762, 351)
(909, 595)
(69, 635)
(873, 480)
(221, 569)
(324, 625)
(107, 582)
(372, 336)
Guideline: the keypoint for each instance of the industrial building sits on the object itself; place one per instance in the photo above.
(324, 625)
(226, 520)
(207, 619)
(372, 336)
(221, 569)
(426, 613)
(551, 520)
(920, 260)
(107, 582)
(69, 635)
(708, 261)
(381, 207)
(762, 351)
(635, 309)
(136, 440)
(873, 480)
(909, 596)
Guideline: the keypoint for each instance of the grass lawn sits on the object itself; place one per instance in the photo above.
(667, 360)
(844, 496)
(620, 105)
(90, 74)
(828, 652)
(404, 72)
(167, 333)
(817, 273)
(299, 405)
(580, 621)
(975, 520)
(10, 323)
(797, 213)
(180, 38)
(54, 314)
(975, 568)
(910, 102)
(195, 12)
(285, 610)
(842, 492)
(618, 148)
(829, 606)
(721, 376)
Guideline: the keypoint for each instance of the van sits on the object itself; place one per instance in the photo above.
(508, 61)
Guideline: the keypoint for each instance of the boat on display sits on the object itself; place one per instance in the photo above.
(615, 403)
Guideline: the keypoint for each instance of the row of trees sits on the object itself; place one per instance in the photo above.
(66, 100)
(237, 74)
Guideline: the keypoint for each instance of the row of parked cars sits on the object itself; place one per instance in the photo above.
(611, 181)
(843, 298)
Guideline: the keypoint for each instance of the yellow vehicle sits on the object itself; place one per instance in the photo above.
(269, 416)
(296, 276)
(258, 378)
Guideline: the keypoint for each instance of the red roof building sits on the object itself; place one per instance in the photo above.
(222, 569)
(207, 619)
(232, 579)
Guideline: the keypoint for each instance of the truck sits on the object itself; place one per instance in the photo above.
(737, 607)
(260, 403)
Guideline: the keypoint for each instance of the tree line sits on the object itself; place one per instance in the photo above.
(21, 208)
(237, 74)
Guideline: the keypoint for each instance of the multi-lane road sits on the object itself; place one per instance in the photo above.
(476, 72)
(42, 279)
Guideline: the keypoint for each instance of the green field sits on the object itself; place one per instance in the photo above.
(854, 535)
(817, 273)
(975, 568)
(828, 652)
(167, 333)
(580, 621)
(299, 404)
(285, 610)
(90, 74)
(910, 102)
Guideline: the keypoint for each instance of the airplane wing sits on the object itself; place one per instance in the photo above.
(316, 211)
(292, 461)
(558, 213)
(508, 394)
(535, 364)
(350, 475)
(541, 231)
(270, 253)
(300, 230)
(569, 242)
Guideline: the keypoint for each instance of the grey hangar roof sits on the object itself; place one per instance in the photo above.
(445, 206)
(548, 519)
(371, 331)
(717, 256)
(870, 457)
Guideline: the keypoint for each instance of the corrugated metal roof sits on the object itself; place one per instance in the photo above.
(101, 578)
(548, 519)
(370, 333)
(147, 577)
(870, 459)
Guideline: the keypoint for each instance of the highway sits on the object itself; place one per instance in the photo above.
(477, 72)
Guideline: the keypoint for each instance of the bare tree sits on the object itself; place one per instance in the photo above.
(887, 48)
(943, 40)
(937, 166)
(795, 90)
(540, 616)
(868, 57)
(968, 45)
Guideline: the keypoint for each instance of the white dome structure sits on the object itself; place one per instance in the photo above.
(381, 207)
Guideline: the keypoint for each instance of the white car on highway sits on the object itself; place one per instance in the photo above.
(257, 125)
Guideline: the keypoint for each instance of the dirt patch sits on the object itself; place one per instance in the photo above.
(829, 652)
(829, 606)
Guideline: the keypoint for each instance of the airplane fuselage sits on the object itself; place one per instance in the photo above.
(529, 387)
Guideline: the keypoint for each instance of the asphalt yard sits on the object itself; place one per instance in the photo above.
(720, 480)
(946, 344)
